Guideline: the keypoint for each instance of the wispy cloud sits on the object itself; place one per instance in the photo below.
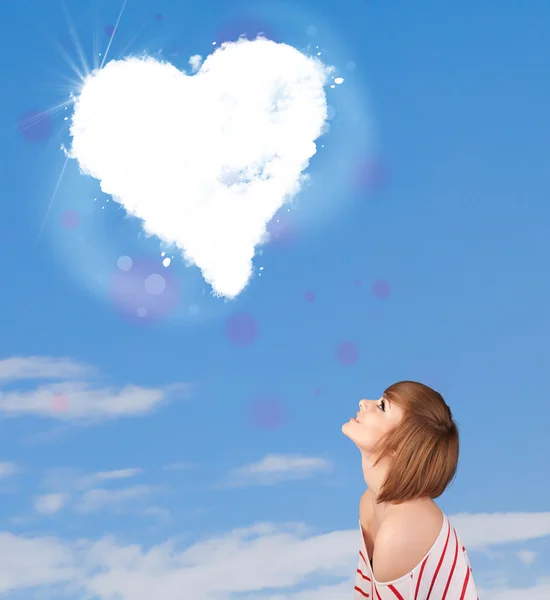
(49, 504)
(7, 469)
(117, 474)
(72, 480)
(80, 491)
(92, 479)
(19, 368)
(267, 560)
(155, 511)
(527, 557)
(485, 529)
(74, 398)
(277, 468)
(99, 498)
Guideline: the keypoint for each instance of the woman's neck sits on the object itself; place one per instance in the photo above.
(374, 478)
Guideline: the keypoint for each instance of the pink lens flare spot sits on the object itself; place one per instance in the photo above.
(241, 329)
(268, 413)
(370, 174)
(124, 263)
(317, 391)
(381, 289)
(109, 30)
(70, 219)
(35, 126)
(142, 290)
(347, 353)
(357, 283)
(309, 296)
(59, 403)
(158, 17)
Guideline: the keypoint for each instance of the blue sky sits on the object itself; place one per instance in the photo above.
(155, 443)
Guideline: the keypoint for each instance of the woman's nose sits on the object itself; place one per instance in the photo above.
(362, 404)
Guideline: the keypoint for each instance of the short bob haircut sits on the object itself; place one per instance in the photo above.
(423, 447)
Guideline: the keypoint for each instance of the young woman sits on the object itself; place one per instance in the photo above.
(409, 448)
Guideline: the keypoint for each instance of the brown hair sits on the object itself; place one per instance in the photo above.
(423, 446)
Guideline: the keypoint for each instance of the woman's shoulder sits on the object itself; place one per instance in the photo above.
(406, 535)
(421, 519)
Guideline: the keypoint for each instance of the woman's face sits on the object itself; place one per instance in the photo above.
(374, 419)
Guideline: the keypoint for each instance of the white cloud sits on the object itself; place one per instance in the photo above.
(276, 468)
(99, 498)
(527, 557)
(540, 591)
(161, 514)
(7, 469)
(41, 367)
(195, 62)
(34, 563)
(49, 504)
(228, 149)
(116, 474)
(264, 560)
(87, 498)
(72, 480)
(81, 399)
(484, 529)
(68, 480)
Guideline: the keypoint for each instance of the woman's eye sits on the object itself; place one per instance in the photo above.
(382, 405)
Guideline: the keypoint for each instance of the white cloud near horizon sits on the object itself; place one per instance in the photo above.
(83, 400)
(486, 529)
(209, 170)
(277, 468)
(265, 560)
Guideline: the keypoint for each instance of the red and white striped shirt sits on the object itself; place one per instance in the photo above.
(443, 574)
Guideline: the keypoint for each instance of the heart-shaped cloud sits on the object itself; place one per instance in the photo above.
(205, 161)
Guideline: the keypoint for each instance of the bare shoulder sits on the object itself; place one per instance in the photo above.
(404, 538)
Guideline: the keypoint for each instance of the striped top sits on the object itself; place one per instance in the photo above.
(443, 574)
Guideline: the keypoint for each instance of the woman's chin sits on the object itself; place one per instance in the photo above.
(345, 428)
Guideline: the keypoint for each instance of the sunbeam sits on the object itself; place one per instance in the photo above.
(114, 33)
(82, 74)
(38, 118)
(66, 57)
(132, 40)
(76, 41)
(52, 198)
